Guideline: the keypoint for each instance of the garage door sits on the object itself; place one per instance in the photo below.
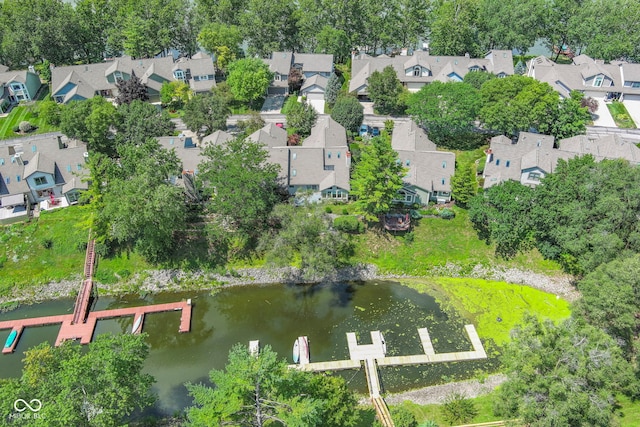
(632, 104)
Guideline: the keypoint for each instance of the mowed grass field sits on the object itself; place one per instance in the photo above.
(434, 243)
(20, 114)
(26, 261)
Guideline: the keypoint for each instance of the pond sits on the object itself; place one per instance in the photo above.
(276, 315)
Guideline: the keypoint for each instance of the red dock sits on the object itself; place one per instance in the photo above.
(84, 331)
(82, 323)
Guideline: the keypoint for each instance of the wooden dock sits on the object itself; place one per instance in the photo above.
(374, 355)
(81, 324)
(84, 331)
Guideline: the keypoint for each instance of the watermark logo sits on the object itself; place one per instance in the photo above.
(21, 405)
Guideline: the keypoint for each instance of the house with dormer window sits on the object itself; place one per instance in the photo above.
(16, 86)
(48, 170)
(79, 82)
(310, 64)
(429, 171)
(421, 68)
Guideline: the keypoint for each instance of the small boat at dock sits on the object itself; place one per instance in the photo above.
(137, 324)
(296, 351)
(10, 339)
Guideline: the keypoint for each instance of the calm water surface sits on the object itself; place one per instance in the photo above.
(275, 315)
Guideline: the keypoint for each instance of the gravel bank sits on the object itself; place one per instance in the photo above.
(178, 280)
(438, 393)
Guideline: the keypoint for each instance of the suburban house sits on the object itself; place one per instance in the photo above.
(429, 171)
(316, 69)
(421, 68)
(16, 86)
(50, 171)
(80, 82)
(616, 80)
(532, 156)
(320, 165)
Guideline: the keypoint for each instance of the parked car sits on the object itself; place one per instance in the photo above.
(364, 130)
(375, 131)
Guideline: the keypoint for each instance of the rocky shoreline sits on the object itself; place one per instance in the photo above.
(178, 280)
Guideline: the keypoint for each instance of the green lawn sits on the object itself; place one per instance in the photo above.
(24, 260)
(19, 114)
(621, 115)
(437, 242)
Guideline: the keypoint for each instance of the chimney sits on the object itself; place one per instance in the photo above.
(348, 158)
(60, 143)
(86, 156)
(18, 157)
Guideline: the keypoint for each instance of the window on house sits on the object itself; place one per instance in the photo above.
(7, 180)
(408, 162)
(329, 155)
(417, 71)
(117, 75)
(635, 85)
(597, 82)
(295, 156)
(17, 178)
(34, 148)
(508, 163)
(444, 165)
(497, 162)
(2, 161)
(73, 197)
(294, 172)
(41, 180)
(276, 77)
(16, 87)
(534, 176)
(338, 154)
(171, 141)
(179, 74)
(502, 75)
(68, 168)
(443, 181)
(398, 161)
(79, 166)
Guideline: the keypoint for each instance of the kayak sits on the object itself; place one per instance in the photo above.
(11, 338)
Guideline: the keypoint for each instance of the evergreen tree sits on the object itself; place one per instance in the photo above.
(384, 90)
(348, 112)
(376, 177)
(464, 184)
(333, 89)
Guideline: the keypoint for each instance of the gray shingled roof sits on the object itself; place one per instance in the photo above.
(190, 157)
(219, 137)
(9, 76)
(408, 136)
(270, 135)
(280, 62)
(314, 62)
(326, 133)
(315, 80)
(440, 67)
(93, 76)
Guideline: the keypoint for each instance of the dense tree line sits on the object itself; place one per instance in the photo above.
(36, 30)
(582, 215)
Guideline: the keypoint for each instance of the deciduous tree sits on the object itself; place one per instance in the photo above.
(262, 390)
(243, 185)
(138, 121)
(223, 41)
(249, 79)
(348, 112)
(518, 103)
(562, 375)
(454, 28)
(301, 117)
(376, 178)
(572, 117)
(175, 94)
(206, 113)
(97, 387)
(91, 121)
(446, 110)
(304, 233)
(502, 215)
(140, 208)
